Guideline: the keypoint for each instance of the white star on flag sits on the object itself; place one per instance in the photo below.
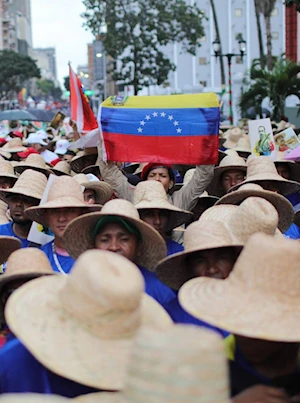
(175, 123)
(155, 114)
(179, 130)
(140, 130)
(142, 123)
(163, 114)
(170, 117)
(148, 117)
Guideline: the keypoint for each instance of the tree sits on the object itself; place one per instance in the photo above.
(138, 31)
(296, 3)
(218, 38)
(277, 84)
(67, 83)
(15, 69)
(47, 88)
(259, 33)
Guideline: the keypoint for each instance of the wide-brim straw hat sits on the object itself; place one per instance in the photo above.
(79, 234)
(207, 199)
(8, 244)
(92, 169)
(82, 326)
(262, 293)
(62, 168)
(30, 183)
(282, 205)
(199, 236)
(152, 195)
(293, 167)
(33, 398)
(103, 190)
(260, 169)
(243, 145)
(65, 192)
(232, 137)
(163, 369)
(7, 170)
(89, 158)
(35, 162)
(15, 145)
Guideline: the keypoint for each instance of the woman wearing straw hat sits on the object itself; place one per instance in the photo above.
(259, 304)
(64, 203)
(119, 229)
(26, 192)
(78, 330)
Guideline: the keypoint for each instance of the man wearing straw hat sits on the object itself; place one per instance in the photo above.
(26, 192)
(78, 330)
(64, 203)
(259, 304)
(95, 191)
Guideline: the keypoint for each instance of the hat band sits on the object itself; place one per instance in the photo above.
(116, 220)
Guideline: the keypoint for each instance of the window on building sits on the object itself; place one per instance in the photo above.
(275, 12)
(238, 12)
(275, 35)
(204, 83)
(202, 60)
(238, 60)
(238, 36)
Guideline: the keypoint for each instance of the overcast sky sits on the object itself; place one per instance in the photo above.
(58, 23)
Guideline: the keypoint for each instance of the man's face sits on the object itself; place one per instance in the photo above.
(230, 178)
(272, 186)
(213, 263)
(59, 218)
(157, 218)
(6, 183)
(17, 205)
(89, 196)
(261, 131)
(283, 170)
(161, 175)
(115, 238)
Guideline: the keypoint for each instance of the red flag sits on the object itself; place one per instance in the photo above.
(81, 111)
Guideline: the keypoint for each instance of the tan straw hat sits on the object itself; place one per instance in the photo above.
(15, 145)
(232, 137)
(92, 169)
(261, 169)
(200, 235)
(23, 264)
(282, 205)
(88, 158)
(152, 195)
(62, 168)
(103, 190)
(35, 162)
(30, 183)
(32, 398)
(262, 292)
(64, 192)
(243, 145)
(7, 170)
(181, 364)
(79, 234)
(81, 326)
(8, 244)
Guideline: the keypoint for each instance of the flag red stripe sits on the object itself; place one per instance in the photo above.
(182, 150)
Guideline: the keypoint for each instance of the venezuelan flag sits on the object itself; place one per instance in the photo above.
(181, 129)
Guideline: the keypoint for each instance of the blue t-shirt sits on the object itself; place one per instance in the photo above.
(66, 262)
(173, 247)
(7, 230)
(20, 372)
(293, 232)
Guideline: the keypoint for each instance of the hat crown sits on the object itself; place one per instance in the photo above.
(251, 186)
(232, 160)
(164, 369)
(104, 289)
(221, 212)
(28, 260)
(63, 166)
(81, 178)
(65, 186)
(261, 166)
(36, 160)
(6, 168)
(32, 182)
(14, 142)
(120, 206)
(149, 191)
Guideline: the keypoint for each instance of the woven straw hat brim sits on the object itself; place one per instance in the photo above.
(13, 150)
(5, 154)
(24, 191)
(32, 398)
(242, 149)
(21, 168)
(78, 237)
(58, 172)
(7, 175)
(91, 169)
(8, 244)
(35, 315)
(39, 213)
(282, 205)
(287, 187)
(172, 270)
(102, 189)
(273, 319)
(79, 163)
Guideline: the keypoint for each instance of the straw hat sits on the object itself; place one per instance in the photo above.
(102, 189)
(62, 168)
(23, 264)
(232, 137)
(79, 234)
(7, 170)
(262, 292)
(294, 169)
(206, 198)
(92, 169)
(81, 326)
(231, 161)
(282, 205)
(200, 235)
(163, 369)
(88, 158)
(243, 145)
(15, 145)
(35, 162)
(8, 244)
(30, 183)
(152, 195)
(263, 169)
(32, 398)
(64, 192)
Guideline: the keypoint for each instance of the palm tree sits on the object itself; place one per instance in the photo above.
(266, 7)
(218, 38)
(276, 84)
(259, 33)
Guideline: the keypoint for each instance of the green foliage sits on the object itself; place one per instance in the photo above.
(137, 31)
(15, 69)
(47, 88)
(290, 3)
(277, 84)
(67, 83)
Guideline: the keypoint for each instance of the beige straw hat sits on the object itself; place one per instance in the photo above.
(23, 264)
(88, 158)
(79, 234)
(64, 192)
(263, 169)
(8, 244)
(282, 205)
(103, 190)
(182, 364)
(262, 292)
(82, 326)
(35, 162)
(200, 235)
(232, 137)
(7, 170)
(152, 195)
(32, 398)
(30, 183)
(15, 145)
(92, 169)
(293, 167)
(62, 168)
(243, 145)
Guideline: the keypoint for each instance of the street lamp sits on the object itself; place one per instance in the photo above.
(216, 45)
(99, 55)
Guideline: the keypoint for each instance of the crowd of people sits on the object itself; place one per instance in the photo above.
(156, 283)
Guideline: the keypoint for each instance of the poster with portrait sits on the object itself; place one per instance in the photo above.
(286, 141)
(261, 138)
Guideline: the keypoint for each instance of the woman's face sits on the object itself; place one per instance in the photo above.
(161, 175)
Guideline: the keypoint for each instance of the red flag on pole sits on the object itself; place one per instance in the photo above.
(81, 111)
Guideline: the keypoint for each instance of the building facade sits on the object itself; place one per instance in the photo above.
(46, 60)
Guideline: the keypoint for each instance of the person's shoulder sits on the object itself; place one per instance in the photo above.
(6, 229)
(47, 247)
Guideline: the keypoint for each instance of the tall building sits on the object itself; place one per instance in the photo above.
(292, 34)
(46, 61)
